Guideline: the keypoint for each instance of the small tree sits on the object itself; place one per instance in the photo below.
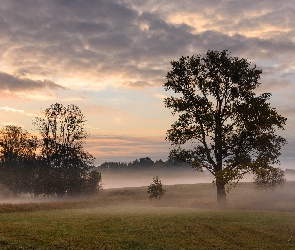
(155, 189)
(269, 178)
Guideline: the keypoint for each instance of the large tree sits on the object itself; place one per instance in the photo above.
(66, 166)
(223, 125)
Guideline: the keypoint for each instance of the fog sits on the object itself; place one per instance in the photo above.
(244, 196)
(25, 199)
(145, 178)
(290, 177)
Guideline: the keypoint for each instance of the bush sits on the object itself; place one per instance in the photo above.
(269, 178)
(155, 189)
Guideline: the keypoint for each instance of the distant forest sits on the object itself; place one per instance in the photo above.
(140, 164)
(147, 163)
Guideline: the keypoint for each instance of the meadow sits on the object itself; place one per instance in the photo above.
(124, 218)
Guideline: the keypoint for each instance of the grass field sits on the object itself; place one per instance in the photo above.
(186, 218)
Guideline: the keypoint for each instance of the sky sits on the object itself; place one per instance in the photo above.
(110, 58)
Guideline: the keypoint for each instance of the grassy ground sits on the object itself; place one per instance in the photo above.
(186, 218)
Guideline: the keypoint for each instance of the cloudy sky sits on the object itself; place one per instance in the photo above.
(110, 58)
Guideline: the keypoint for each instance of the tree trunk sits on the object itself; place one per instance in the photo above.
(221, 195)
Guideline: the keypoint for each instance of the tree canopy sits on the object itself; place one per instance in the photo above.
(16, 144)
(222, 124)
(67, 164)
(17, 158)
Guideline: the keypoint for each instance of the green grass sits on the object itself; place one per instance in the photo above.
(186, 218)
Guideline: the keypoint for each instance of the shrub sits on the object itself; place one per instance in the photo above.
(269, 178)
(155, 189)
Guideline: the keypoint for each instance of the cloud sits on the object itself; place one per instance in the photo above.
(274, 84)
(20, 111)
(137, 84)
(96, 39)
(128, 43)
(134, 41)
(160, 96)
(100, 109)
(13, 83)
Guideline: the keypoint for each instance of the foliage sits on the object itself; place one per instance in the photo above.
(223, 125)
(65, 164)
(269, 178)
(16, 144)
(92, 182)
(18, 159)
(155, 189)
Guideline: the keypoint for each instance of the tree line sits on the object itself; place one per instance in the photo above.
(144, 163)
(55, 164)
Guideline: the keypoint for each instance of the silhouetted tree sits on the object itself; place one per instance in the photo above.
(159, 162)
(230, 128)
(144, 162)
(156, 189)
(269, 178)
(65, 164)
(18, 159)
